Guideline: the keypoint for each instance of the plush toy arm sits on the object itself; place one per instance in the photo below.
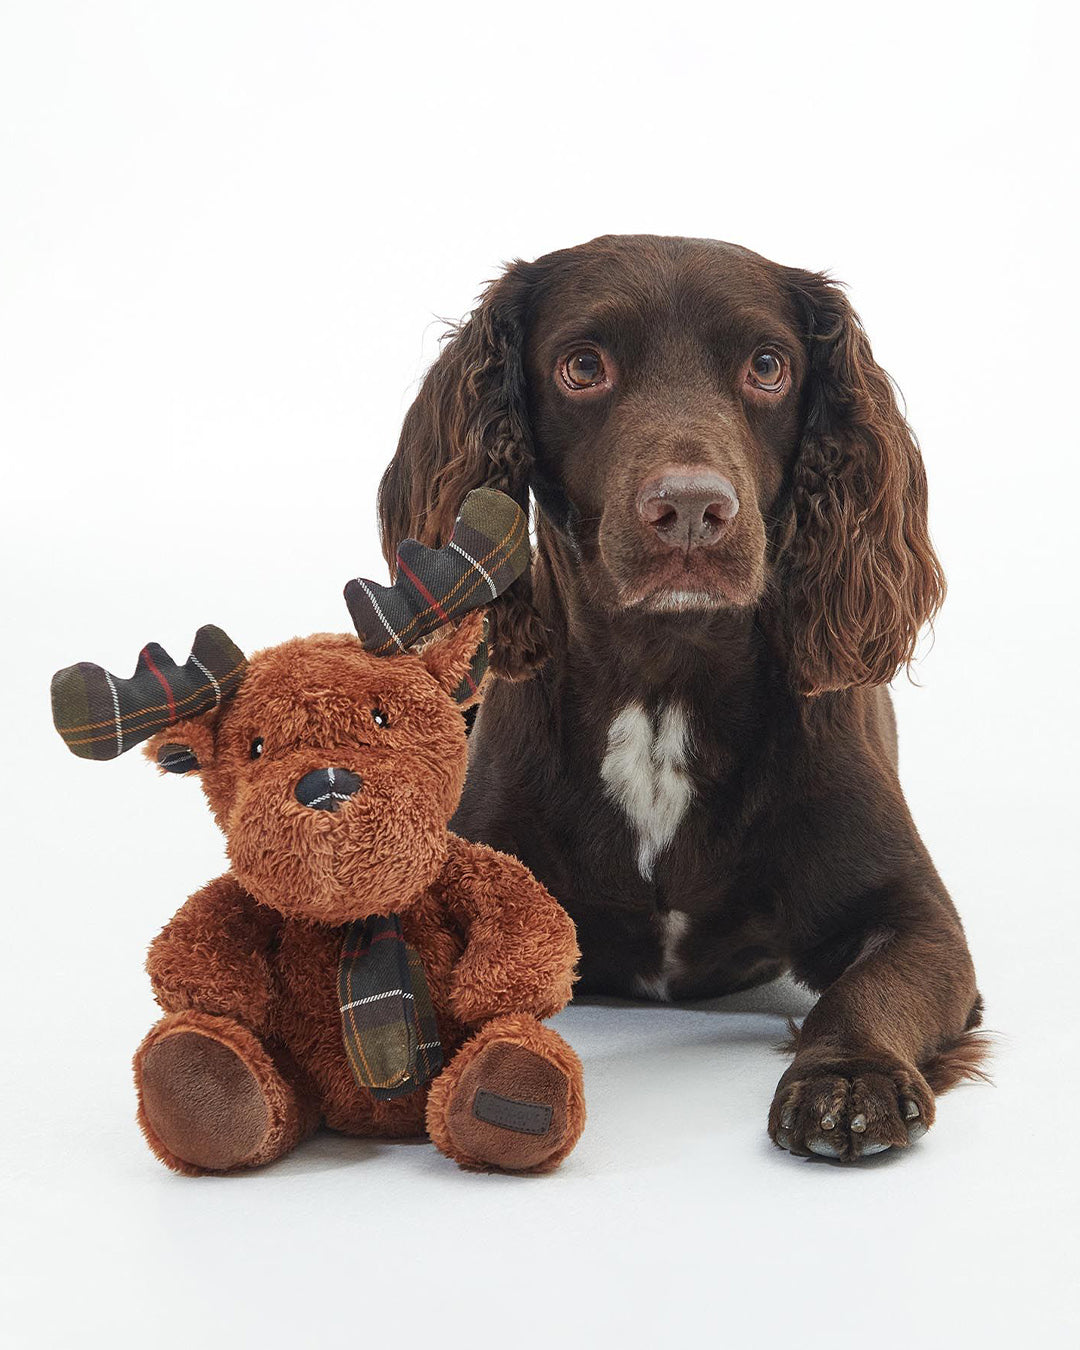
(521, 947)
(212, 955)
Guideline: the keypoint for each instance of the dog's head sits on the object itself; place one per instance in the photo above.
(702, 430)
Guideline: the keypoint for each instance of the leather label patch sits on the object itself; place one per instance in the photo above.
(521, 1117)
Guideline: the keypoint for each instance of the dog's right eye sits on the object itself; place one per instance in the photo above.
(767, 371)
(584, 369)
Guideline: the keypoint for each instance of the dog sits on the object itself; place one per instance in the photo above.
(692, 745)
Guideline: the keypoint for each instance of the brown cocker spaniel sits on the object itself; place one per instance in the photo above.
(693, 747)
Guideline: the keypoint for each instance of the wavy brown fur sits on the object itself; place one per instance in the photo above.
(860, 576)
(963, 1057)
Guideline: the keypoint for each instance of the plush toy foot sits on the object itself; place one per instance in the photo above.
(511, 1099)
(211, 1098)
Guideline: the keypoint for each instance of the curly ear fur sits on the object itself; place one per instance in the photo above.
(469, 427)
(860, 576)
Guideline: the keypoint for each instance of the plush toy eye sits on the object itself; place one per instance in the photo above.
(256, 747)
(379, 717)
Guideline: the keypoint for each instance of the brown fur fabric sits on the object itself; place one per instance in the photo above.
(732, 559)
(249, 1057)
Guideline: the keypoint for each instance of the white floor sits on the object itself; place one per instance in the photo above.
(675, 1222)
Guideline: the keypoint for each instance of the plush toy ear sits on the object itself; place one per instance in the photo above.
(457, 662)
(473, 683)
(185, 747)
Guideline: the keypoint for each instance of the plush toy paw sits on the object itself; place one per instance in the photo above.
(849, 1112)
(511, 1100)
(210, 1097)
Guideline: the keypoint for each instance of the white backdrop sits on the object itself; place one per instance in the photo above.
(228, 230)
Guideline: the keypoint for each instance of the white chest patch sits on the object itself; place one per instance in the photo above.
(645, 770)
(673, 928)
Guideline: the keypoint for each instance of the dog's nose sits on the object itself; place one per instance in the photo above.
(688, 509)
(324, 789)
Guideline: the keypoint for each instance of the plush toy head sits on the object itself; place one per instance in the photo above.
(332, 770)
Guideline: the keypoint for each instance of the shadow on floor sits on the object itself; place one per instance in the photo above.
(779, 998)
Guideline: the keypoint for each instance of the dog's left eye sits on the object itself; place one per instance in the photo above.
(768, 371)
(379, 717)
(583, 369)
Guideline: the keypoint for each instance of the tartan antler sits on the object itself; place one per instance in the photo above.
(100, 716)
(487, 551)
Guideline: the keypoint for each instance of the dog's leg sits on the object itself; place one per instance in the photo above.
(887, 1034)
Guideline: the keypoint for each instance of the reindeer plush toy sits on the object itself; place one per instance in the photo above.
(359, 965)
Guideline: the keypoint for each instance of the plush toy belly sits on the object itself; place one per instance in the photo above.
(310, 1026)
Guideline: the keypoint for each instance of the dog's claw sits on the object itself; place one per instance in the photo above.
(911, 1110)
(869, 1149)
(788, 1118)
(824, 1148)
(858, 1125)
(828, 1122)
(783, 1138)
(916, 1131)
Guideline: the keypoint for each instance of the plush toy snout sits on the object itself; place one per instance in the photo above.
(325, 789)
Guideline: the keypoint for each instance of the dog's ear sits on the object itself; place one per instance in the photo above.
(469, 427)
(859, 573)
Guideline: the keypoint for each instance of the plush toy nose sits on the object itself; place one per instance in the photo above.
(322, 789)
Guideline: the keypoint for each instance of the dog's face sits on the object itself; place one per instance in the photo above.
(664, 382)
(703, 430)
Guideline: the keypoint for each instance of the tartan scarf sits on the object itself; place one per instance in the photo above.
(387, 1020)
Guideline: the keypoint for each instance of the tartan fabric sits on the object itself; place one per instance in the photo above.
(387, 1019)
(488, 549)
(100, 716)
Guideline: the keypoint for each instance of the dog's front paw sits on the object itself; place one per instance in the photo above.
(850, 1110)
